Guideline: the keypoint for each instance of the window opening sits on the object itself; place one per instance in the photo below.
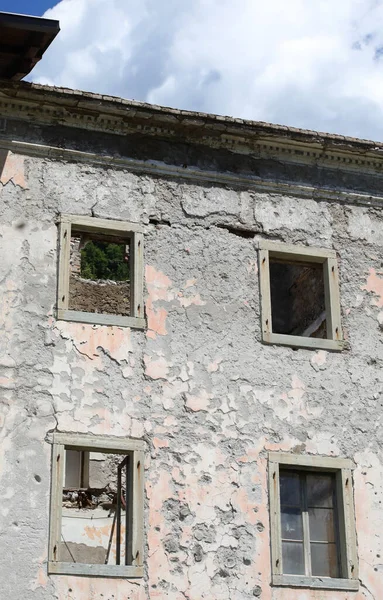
(96, 507)
(297, 298)
(101, 272)
(312, 522)
(95, 518)
(308, 524)
(99, 279)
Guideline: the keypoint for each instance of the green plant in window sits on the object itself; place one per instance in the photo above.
(104, 260)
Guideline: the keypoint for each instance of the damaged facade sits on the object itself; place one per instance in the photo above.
(224, 411)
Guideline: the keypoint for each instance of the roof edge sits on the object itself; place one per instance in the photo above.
(29, 22)
(117, 115)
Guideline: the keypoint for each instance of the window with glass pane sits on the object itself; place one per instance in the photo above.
(309, 533)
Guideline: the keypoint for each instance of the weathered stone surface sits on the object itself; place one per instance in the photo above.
(198, 385)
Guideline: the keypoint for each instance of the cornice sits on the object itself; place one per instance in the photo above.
(196, 175)
(94, 112)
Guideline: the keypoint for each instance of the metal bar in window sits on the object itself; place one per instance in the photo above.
(337, 528)
(110, 539)
(127, 504)
(275, 518)
(306, 526)
(118, 520)
(120, 501)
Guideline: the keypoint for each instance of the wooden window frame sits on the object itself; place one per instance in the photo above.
(291, 253)
(130, 231)
(106, 444)
(342, 468)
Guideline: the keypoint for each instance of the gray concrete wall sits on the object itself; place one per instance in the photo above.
(198, 385)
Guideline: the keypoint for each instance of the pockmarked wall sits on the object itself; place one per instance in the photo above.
(197, 384)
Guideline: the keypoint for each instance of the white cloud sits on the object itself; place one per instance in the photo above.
(304, 63)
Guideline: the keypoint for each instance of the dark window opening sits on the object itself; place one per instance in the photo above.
(99, 279)
(309, 530)
(96, 519)
(297, 298)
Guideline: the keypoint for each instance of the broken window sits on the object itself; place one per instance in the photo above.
(312, 520)
(100, 272)
(300, 296)
(97, 506)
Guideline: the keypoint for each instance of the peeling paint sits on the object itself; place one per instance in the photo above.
(209, 399)
(375, 285)
(13, 169)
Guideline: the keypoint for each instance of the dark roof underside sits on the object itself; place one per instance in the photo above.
(23, 41)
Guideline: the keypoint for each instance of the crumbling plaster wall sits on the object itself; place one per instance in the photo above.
(199, 386)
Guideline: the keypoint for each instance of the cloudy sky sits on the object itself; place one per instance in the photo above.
(316, 64)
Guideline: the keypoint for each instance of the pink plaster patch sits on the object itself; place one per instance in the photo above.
(115, 341)
(319, 358)
(157, 443)
(251, 455)
(41, 579)
(156, 369)
(156, 320)
(157, 493)
(13, 170)
(157, 283)
(213, 366)
(185, 302)
(158, 289)
(200, 402)
(375, 285)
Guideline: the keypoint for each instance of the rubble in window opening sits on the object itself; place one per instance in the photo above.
(90, 514)
(99, 279)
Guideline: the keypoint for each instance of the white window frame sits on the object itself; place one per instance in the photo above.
(106, 444)
(342, 468)
(133, 233)
(331, 288)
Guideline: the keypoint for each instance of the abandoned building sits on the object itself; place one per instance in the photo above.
(190, 353)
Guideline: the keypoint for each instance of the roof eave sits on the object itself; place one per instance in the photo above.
(116, 115)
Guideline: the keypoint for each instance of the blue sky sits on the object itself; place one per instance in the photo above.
(317, 65)
(26, 7)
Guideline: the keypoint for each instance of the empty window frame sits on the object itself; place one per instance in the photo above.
(96, 528)
(313, 541)
(300, 296)
(100, 272)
